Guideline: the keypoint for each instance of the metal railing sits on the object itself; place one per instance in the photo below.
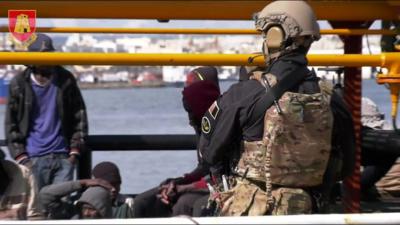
(62, 58)
(175, 142)
(379, 141)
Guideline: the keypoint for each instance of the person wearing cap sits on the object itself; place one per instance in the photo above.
(203, 73)
(46, 123)
(201, 90)
(18, 192)
(122, 206)
(94, 203)
(177, 196)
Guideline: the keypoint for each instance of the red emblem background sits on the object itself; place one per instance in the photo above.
(12, 20)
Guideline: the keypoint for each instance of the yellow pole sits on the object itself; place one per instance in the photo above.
(60, 58)
(192, 31)
(358, 32)
(140, 30)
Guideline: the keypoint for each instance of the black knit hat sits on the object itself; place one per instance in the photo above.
(107, 171)
(209, 73)
(43, 43)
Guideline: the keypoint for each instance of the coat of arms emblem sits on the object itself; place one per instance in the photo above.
(22, 26)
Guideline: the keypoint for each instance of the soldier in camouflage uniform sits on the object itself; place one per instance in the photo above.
(274, 135)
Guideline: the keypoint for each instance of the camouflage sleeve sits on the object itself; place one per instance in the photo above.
(219, 126)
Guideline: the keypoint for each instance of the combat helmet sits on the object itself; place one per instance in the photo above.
(286, 26)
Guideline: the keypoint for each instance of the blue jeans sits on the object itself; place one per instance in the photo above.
(52, 169)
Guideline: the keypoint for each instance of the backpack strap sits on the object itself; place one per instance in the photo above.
(273, 94)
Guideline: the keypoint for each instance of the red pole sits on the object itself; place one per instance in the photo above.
(352, 96)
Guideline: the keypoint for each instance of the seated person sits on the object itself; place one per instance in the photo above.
(122, 205)
(94, 203)
(375, 163)
(175, 196)
(18, 192)
(389, 185)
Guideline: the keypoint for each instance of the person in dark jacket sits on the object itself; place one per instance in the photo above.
(94, 203)
(176, 196)
(46, 123)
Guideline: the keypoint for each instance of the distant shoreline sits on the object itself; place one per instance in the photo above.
(118, 85)
(154, 84)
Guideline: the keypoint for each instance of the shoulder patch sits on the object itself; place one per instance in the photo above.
(214, 110)
(205, 125)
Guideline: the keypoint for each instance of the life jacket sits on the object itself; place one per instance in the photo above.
(296, 143)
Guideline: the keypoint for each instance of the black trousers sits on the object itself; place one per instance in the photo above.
(380, 149)
(200, 205)
(186, 204)
(148, 205)
(376, 165)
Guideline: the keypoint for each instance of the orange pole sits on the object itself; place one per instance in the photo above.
(179, 59)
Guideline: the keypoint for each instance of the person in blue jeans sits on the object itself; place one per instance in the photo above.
(46, 124)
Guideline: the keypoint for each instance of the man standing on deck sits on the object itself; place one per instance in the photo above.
(46, 123)
(277, 136)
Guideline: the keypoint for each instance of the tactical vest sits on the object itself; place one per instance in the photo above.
(296, 143)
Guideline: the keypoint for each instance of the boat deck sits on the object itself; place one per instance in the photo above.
(381, 205)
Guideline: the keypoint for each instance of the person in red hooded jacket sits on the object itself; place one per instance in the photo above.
(175, 196)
